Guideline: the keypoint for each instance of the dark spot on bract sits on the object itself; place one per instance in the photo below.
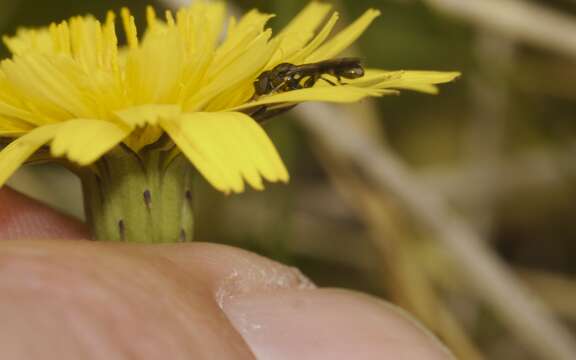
(121, 230)
(147, 198)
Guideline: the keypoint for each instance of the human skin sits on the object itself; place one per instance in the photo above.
(65, 298)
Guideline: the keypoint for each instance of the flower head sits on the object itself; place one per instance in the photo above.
(71, 88)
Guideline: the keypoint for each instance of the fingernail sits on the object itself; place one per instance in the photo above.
(328, 324)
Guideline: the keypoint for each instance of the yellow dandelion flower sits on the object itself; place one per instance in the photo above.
(181, 87)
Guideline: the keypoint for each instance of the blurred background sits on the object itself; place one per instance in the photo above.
(459, 207)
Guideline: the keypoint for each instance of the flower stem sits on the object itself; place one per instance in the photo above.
(144, 197)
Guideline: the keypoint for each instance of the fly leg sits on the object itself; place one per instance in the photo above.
(311, 81)
(259, 112)
(340, 80)
(329, 81)
(261, 116)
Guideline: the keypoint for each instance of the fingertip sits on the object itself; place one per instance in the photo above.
(24, 218)
(231, 271)
(329, 324)
(281, 315)
(274, 307)
(72, 298)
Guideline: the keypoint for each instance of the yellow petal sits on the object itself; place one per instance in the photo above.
(308, 19)
(244, 68)
(93, 45)
(138, 116)
(303, 54)
(51, 83)
(144, 120)
(83, 141)
(16, 153)
(422, 81)
(86, 42)
(154, 70)
(345, 38)
(227, 148)
(239, 36)
(232, 97)
(60, 34)
(200, 26)
(251, 151)
(30, 40)
(299, 31)
(130, 29)
(13, 126)
(261, 149)
(183, 132)
(231, 140)
(12, 133)
(338, 94)
(14, 108)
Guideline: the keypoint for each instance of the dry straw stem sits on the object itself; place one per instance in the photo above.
(549, 168)
(523, 313)
(558, 290)
(521, 20)
(485, 130)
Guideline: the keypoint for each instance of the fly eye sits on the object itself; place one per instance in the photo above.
(355, 73)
